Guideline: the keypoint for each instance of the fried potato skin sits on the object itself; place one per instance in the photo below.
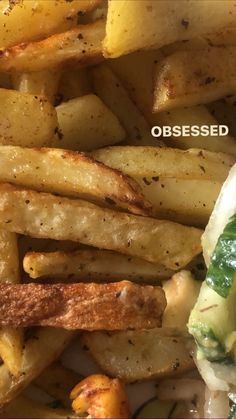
(47, 216)
(116, 306)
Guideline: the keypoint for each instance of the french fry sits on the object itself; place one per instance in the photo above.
(58, 381)
(71, 174)
(74, 83)
(117, 99)
(26, 120)
(23, 407)
(44, 347)
(47, 216)
(224, 111)
(167, 162)
(196, 115)
(168, 177)
(46, 17)
(42, 83)
(86, 123)
(139, 84)
(182, 200)
(140, 88)
(134, 356)
(80, 46)
(188, 78)
(133, 25)
(95, 265)
(11, 340)
(116, 306)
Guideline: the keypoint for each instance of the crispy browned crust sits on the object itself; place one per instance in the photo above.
(11, 57)
(116, 306)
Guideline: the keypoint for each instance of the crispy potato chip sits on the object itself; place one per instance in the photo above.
(94, 265)
(86, 123)
(46, 17)
(26, 120)
(134, 356)
(44, 347)
(115, 306)
(80, 46)
(47, 216)
(72, 174)
(135, 25)
(188, 78)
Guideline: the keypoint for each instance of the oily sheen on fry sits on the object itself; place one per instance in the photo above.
(116, 306)
(45, 215)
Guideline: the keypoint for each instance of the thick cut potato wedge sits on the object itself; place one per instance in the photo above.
(47, 216)
(11, 340)
(133, 25)
(188, 78)
(167, 162)
(70, 174)
(80, 46)
(141, 355)
(42, 83)
(44, 347)
(87, 123)
(182, 200)
(45, 16)
(94, 265)
(196, 115)
(25, 408)
(139, 85)
(118, 100)
(26, 120)
(58, 381)
(116, 306)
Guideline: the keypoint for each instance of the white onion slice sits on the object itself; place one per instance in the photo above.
(225, 207)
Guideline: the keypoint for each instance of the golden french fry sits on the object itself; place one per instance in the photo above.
(46, 17)
(196, 115)
(11, 340)
(44, 347)
(42, 83)
(86, 123)
(134, 25)
(167, 162)
(26, 120)
(95, 265)
(188, 78)
(116, 306)
(118, 100)
(134, 356)
(58, 381)
(81, 46)
(47, 216)
(72, 174)
(23, 407)
(139, 85)
(182, 200)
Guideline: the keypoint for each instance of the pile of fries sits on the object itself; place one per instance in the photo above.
(101, 223)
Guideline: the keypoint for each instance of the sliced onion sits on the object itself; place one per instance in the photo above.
(225, 207)
(207, 372)
(216, 404)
